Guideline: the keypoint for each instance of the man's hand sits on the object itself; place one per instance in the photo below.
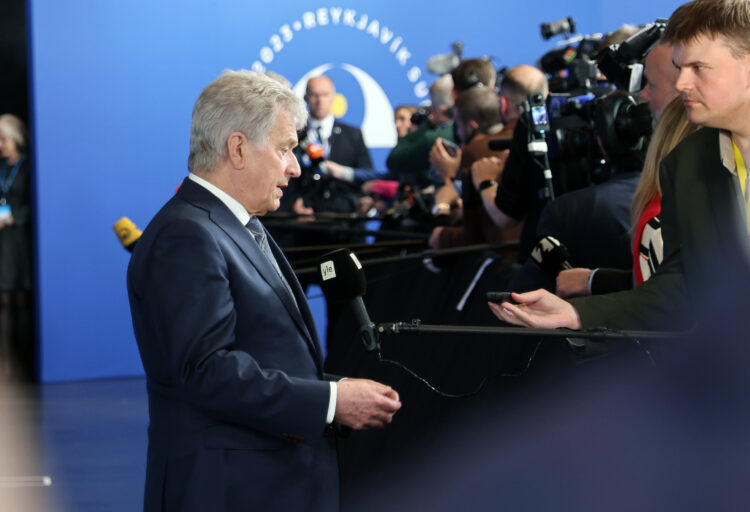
(488, 168)
(365, 204)
(574, 281)
(363, 403)
(539, 309)
(445, 164)
(340, 172)
(300, 209)
(367, 186)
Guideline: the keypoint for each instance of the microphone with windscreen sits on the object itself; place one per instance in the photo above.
(315, 153)
(128, 233)
(342, 279)
(551, 256)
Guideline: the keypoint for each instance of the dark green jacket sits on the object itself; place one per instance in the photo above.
(410, 159)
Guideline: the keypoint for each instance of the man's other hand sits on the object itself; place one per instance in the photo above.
(303, 211)
(362, 403)
(573, 282)
(488, 168)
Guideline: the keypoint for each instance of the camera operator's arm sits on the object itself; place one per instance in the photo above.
(446, 198)
(488, 170)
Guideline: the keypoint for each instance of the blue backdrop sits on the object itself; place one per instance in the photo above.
(114, 85)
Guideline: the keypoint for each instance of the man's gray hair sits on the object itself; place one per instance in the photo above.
(441, 92)
(238, 101)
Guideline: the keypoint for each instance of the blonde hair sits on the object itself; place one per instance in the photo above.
(672, 127)
(13, 128)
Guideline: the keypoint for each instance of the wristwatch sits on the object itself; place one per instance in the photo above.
(486, 184)
(441, 209)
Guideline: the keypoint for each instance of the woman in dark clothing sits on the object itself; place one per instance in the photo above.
(15, 250)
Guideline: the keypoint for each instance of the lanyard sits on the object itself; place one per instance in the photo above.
(743, 177)
(8, 180)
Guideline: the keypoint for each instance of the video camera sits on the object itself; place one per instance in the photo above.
(596, 115)
(623, 63)
(572, 66)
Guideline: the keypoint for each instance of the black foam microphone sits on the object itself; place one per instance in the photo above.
(342, 279)
(551, 256)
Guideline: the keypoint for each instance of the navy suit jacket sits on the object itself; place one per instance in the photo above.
(592, 223)
(705, 245)
(237, 393)
(348, 147)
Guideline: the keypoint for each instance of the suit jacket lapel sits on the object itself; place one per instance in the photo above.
(308, 324)
(728, 214)
(227, 222)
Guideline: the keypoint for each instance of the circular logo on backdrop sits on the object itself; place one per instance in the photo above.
(363, 99)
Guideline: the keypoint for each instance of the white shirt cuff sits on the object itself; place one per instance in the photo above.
(347, 174)
(332, 403)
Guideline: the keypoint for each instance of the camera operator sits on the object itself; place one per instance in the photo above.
(658, 92)
(481, 117)
(409, 159)
(445, 157)
(523, 190)
(486, 172)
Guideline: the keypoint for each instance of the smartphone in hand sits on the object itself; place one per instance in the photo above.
(450, 147)
(499, 297)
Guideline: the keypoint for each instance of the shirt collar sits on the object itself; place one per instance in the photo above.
(234, 206)
(326, 125)
(727, 152)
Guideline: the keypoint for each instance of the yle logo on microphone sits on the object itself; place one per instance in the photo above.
(327, 270)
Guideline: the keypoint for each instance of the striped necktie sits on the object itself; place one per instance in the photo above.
(259, 234)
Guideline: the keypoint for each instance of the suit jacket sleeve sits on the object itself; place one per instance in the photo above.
(183, 297)
(363, 154)
(661, 303)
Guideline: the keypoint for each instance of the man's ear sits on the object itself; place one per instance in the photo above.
(504, 105)
(237, 149)
(473, 125)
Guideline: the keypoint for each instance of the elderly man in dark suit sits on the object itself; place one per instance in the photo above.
(704, 186)
(241, 414)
